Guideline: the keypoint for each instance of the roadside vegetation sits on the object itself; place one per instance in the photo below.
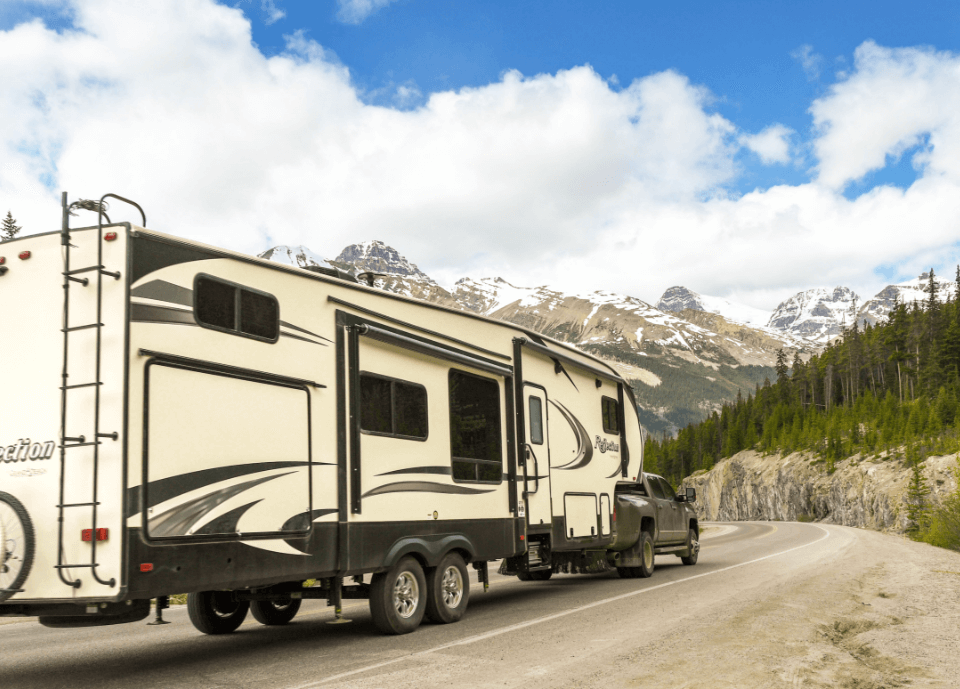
(890, 392)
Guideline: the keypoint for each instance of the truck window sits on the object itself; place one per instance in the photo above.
(228, 307)
(611, 415)
(475, 441)
(392, 407)
(536, 421)
(667, 489)
(655, 487)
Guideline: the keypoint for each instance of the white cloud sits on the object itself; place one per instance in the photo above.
(772, 144)
(553, 179)
(809, 60)
(274, 14)
(355, 11)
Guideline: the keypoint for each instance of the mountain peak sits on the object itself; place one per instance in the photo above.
(818, 314)
(377, 257)
(678, 298)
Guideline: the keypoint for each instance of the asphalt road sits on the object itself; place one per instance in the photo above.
(574, 630)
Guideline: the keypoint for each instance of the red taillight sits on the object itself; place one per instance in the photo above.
(24, 255)
(146, 566)
(110, 236)
(3, 259)
(87, 534)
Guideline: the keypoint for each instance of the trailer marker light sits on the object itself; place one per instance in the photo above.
(102, 534)
(24, 255)
(3, 259)
(146, 566)
(110, 236)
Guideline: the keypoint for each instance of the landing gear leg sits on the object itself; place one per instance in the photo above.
(163, 602)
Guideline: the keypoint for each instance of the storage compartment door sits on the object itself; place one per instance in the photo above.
(604, 515)
(580, 515)
(225, 456)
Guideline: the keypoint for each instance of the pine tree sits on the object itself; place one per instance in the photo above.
(10, 229)
(916, 499)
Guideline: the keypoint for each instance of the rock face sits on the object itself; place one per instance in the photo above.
(877, 308)
(816, 314)
(863, 493)
(677, 299)
(377, 257)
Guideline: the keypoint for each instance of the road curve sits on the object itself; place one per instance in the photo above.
(574, 630)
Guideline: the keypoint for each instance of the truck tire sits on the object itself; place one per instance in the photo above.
(398, 598)
(647, 555)
(275, 612)
(693, 547)
(215, 612)
(448, 590)
(17, 545)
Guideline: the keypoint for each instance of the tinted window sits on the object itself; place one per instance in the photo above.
(655, 487)
(392, 407)
(226, 306)
(667, 490)
(611, 415)
(475, 441)
(536, 421)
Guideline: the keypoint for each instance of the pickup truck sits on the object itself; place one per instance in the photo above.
(652, 519)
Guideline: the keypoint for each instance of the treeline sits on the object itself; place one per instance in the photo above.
(879, 388)
(890, 390)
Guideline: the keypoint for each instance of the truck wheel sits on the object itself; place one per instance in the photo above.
(16, 545)
(646, 555)
(448, 589)
(273, 612)
(628, 572)
(215, 612)
(693, 547)
(398, 597)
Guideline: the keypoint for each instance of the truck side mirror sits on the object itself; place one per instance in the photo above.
(691, 494)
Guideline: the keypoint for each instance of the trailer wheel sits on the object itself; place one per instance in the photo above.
(448, 590)
(541, 574)
(215, 612)
(646, 555)
(398, 598)
(693, 548)
(17, 544)
(274, 612)
(524, 576)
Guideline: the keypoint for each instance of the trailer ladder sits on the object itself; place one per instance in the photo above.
(69, 442)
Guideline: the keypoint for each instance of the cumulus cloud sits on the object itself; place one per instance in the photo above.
(772, 144)
(811, 62)
(556, 179)
(355, 11)
(274, 13)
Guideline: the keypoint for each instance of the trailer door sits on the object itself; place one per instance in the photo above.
(536, 457)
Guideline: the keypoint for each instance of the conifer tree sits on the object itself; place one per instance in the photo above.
(10, 229)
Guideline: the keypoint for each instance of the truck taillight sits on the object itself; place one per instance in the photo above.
(146, 566)
(87, 535)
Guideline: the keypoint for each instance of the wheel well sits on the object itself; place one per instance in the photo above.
(695, 526)
(462, 553)
(647, 524)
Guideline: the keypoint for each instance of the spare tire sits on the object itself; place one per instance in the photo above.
(17, 545)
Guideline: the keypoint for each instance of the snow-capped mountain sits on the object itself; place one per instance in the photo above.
(377, 257)
(677, 299)
(299, 256)
(880, 306)
(818, 314)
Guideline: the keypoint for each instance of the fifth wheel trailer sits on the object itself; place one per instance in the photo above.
(186, 419)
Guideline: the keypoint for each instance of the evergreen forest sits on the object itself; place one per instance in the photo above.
(889, 391)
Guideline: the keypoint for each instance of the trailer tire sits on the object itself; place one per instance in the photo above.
(17, 545)
(398, 598)
(693, 548)
(541, 575)
(448, 590)
(215, 612)
(647, 555)
(275, 612)
(524, 576)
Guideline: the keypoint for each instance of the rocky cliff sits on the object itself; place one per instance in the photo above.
(867, 493)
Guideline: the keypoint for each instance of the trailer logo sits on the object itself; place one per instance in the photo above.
(603, 445)
(23, 450)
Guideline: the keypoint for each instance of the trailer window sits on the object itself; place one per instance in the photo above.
(392, 407)
(536, 421)
(229, 307)
(611, 415)
(475, 440)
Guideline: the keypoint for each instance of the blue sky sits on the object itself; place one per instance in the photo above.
(746, 150)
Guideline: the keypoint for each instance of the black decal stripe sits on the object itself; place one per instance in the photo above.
(303, 330)
(161, 290)
(423, 487)
(302, 521)
(226, 522)
(178, 520)
(297, 337)
(164, 489)
(584, 446)
(150, 313)
(448, 471)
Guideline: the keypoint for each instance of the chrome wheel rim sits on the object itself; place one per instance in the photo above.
(648, 554)
(12, 546)
(406, 594)
(452, 586)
